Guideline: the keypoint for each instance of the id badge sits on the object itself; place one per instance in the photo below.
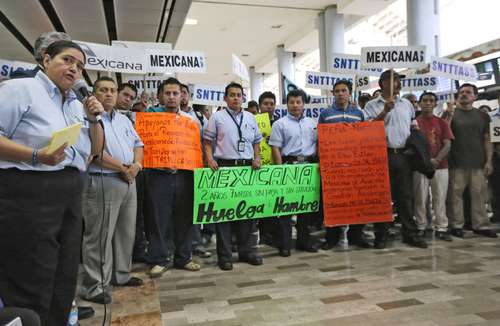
(241, 146)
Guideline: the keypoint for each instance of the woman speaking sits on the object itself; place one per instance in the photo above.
(40, 192)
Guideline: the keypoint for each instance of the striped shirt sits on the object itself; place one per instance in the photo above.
(336, 114)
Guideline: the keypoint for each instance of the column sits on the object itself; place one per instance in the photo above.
(334, 34)
(256, 83)
(285, 66)
(423, 25)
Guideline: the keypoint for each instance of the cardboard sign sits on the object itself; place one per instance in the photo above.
(264, 125)
(149, 83)
(354, 173)
(495, 129)
(176, 61)
(170, 141)
(393, 57)
(141, 59)
(241, 193)
(419, 83)
(116, 59)
(453, 69)
(351, 64)
(211, 95)
(239, 68)
(325, 80)
(310, 110)
(7, 67)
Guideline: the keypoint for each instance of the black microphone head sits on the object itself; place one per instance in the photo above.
(81, 89)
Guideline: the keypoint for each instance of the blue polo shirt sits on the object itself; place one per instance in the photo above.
(335, 115)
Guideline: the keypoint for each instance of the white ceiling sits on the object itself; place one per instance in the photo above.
(224, 27)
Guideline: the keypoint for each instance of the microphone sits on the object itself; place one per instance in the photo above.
(81, 91)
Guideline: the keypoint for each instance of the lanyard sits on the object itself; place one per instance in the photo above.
(236, 123)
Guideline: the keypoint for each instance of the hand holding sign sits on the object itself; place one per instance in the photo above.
(388, 106)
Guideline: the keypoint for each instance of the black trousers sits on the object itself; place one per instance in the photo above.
(40, 239)
(244, 235)
(401, 176)
(140, 235)
(354, 234)
(494, 183)
(284, 231)
(172, 210)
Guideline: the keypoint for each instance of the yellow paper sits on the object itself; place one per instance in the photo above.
(266, 155)
(67, 135)
(264, 124)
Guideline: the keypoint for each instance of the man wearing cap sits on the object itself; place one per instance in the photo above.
(398, 115)
(235, 138)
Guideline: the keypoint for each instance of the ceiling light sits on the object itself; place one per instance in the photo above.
(191, 21)
(276, 26)
(245, 55)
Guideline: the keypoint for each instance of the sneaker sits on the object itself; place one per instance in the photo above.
(442, 235)
(157, 271)
(202, 253)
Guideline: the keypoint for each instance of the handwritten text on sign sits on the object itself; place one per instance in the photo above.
(241, 193)
(170, 141)
(354, 173)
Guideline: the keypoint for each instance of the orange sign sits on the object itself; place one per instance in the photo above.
(170, 141)
(354, 173)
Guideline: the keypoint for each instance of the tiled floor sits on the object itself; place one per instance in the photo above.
(454, 283)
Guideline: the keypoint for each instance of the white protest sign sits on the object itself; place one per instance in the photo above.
(351, 64)
(495, 130)
(239, 68)
(7, 67)
(108, 58)
(453, 69)
(314, 99)
(362, 83)
(325, 80)
(142, 45)
(419, 83)
(393, 57)
(176, 61)
(310, 110)
(211, 95)
(149, 83)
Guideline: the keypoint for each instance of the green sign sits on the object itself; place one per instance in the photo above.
(241, 193)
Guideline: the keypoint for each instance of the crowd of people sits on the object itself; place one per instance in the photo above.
(93, 204)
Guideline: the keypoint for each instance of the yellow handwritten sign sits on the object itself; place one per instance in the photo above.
(264, 124)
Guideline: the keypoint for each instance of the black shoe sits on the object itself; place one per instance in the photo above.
(441, 235)
(495, 219)
(202, 253)
(380, 243)
(311, 248)
(487, 233)
(101, 298)
(134, 281)
(327, 246)
(284, 252)
(226, 266)
(467, 226)
(85, 312)
(252, 260)
(415, 241)
(363, 244)
(459, 233)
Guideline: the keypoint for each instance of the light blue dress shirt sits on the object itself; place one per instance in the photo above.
(203, 125)
(295, 137)
(223, 133)
(397, 122)
(31, 109)
(121, 139)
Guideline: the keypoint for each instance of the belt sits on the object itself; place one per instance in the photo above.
(395, 150)
(98, 174)
(240, 162)
(299, 159)
(165, 170)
